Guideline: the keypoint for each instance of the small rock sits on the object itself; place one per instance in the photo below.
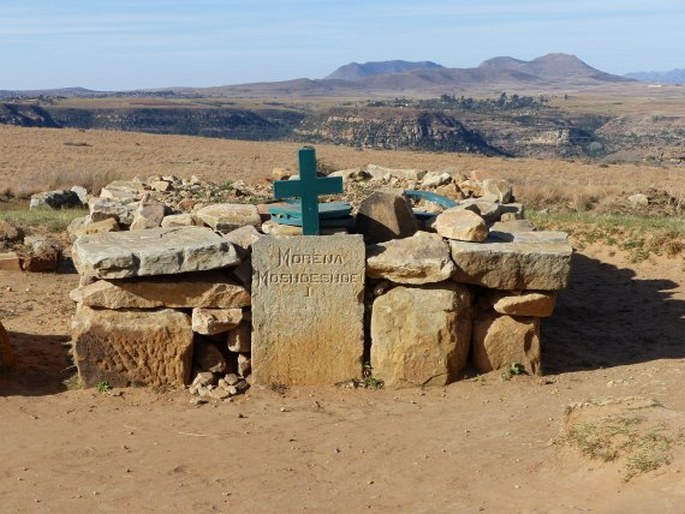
(460, 224)
(215, 321)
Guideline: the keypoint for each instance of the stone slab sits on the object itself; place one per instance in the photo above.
(500, 341)
(211, 289)
(420, 259)
(126, 348)
(156, 251)
(420, 336)
(10, 261)
(210, 322)
(225, 217)
(307, 309)
(512, 265)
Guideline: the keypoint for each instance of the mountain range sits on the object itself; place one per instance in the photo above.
(551, 72)
(676, 76)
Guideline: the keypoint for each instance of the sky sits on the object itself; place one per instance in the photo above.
(145, 44)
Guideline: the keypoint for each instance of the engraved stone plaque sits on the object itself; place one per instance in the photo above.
(307, 309)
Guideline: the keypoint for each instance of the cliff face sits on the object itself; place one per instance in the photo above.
(424, 130)
(25, 115)
(223, 123)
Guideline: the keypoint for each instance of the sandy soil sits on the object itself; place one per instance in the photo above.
(479, 445)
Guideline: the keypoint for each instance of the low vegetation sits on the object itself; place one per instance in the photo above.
(638, 235)
(641, 445)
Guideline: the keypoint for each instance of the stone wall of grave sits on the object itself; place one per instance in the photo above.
(226, 306)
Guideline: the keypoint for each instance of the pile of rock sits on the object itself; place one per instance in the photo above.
(168, 301)
(159, 305)
(19, 251)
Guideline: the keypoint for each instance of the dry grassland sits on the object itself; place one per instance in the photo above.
(33, 160)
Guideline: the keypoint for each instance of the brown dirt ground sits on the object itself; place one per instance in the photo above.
(477, 445)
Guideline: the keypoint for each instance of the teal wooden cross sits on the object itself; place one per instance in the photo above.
(308, 188)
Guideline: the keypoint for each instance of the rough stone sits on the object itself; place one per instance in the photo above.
(181, 220)
(101, 209)
(225, 217)
(460, 224)
(384, 216)
(506, 230)
(405, 174)
(148, 214)
(59, 199)
(10, 261)
(130, 347)
(500, 341)
(512, 266)
(44, 254)
(244, 364)
(351, 174)
(210, 289)
(215, 321)
(420, 259)
(10, 233)
(537, 304)
(307, 309)
(490, 211)
(499, 188)
(638, 200)
(274, 228)
(122, 190)
(239, 339)
(156, 251)
(436, 179)
(82, 194)
(243, 238)
(81, 227)
(207, 357)
(421, 335)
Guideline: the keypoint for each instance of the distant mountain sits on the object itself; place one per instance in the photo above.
(676, 76)
(555, 66)
(65, 91)
(356, 71)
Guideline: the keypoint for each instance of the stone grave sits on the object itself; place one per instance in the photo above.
(221, 303)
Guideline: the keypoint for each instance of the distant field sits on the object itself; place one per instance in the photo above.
(36, 159)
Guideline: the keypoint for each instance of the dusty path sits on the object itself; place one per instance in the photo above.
(484, 445)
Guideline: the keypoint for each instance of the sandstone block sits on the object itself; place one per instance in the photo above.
(405, 174)
(58, 199)
(240, 338)
(307, 309)
(490, 211)
(225, 217)
(130, 347)
(420, 259)
(243, 238)
(148, 214)
(499, 188)
(10, 261)
(10, 233)
(207, 357)
(512, 265)
(211, 289)
(460, 224)
(421, 335)
(81, 227)
(215, 321)
(181, 220)
(101, 209)
(156, 251)
(537, 304)
(122, 190)
(436, 179)
(384, 216)
(500, 341)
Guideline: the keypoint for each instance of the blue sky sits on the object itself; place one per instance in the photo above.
(123, 44)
